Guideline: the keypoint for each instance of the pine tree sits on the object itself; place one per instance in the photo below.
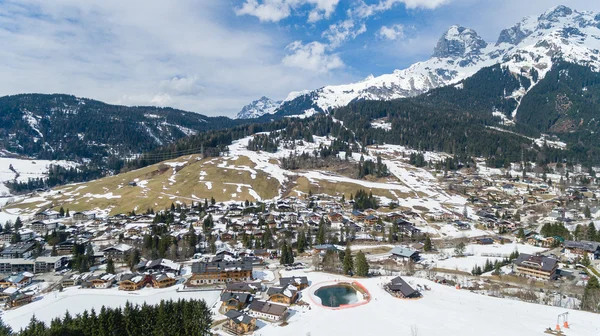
(586, 260)
(321, 232)
(110, 266)
(18, 223)
(521, 234)
(54, 252)
(61, 212)
(348, 263)
(427, 246)
(284, 258)
(134, 258)
(5, 330)
(301, 242)
(361, 266)
(586, 212)
(591, 232)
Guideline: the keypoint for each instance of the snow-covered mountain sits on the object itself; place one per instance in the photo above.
(529, 48)
(258, 108)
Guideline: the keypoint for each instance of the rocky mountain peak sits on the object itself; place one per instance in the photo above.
(459, 41)
(259, 107)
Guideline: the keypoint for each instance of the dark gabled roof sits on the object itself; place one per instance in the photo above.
(298, 280)
(238, 317)
(588, 246)
(399, 285)
(544, 263)
(241, 287)
(221, 266)
(241, 297)
(268, 308)
(287, 290)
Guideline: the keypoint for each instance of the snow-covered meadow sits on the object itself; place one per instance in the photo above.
(442, 311)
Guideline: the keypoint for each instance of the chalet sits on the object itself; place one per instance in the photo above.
(371, 219)
(163, 281)
(118, 252)
(262, 253)
(236, 301)
(404, 253)
(358, 216)
(300, 282)
(18, 250)
(335, 217)
(132, 282)
(287, 294)
(239, 323)
(393, 217)
(82, 216)
(158, 265)
(17, 280)
(46, 215)
(101, 281)
(268, 311)
(399, 288)
(484, 241)
(538, 267)
(575, 249)
(19, 299)
(220, 272)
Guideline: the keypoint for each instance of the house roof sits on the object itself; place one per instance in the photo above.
(287, 290)
(588, 246)
(403, 251)
(119, 247)
(299, 280)
(241, 297)
(268, 308)
(544, 263)
(241, 286)
(398, 284)
(238, 317)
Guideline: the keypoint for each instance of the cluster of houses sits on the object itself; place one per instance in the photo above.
(243, 303)
(158, 273)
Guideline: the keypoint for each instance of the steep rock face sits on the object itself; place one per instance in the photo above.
(258, 108)
(459, 41)
(529, 47)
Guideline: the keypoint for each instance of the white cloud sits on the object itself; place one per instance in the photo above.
(312, 57)
(339, 33)
(182, 85)
(394, 32)
(363, 10)
(277, 10)
(146, 52)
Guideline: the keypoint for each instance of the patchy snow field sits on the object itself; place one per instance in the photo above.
(27, 169)
(77, 300)
(442, 311)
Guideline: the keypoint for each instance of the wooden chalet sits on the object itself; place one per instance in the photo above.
(239, 323)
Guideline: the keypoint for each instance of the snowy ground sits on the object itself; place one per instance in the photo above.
(27, 169)
(77, 300)
(478, 254)
(442, 311)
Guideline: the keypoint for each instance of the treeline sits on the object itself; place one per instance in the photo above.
(182, 317)
(58, 175)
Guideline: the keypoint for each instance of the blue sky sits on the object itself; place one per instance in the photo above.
(214, 56)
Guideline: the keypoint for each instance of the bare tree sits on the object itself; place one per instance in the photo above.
(414, 331)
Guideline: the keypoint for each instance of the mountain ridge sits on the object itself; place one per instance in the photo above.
(533, 43)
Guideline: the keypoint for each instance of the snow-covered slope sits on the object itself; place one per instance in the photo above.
(258, 108)
(533, 43)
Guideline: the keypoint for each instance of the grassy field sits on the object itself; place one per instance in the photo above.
(185, 180)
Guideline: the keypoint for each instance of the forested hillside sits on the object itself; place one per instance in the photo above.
(70, 128)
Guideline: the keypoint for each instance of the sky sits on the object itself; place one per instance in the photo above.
(215, 56)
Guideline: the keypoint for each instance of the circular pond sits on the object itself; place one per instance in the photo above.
(337, 295)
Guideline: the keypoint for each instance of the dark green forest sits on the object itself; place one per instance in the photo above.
(182, 317)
